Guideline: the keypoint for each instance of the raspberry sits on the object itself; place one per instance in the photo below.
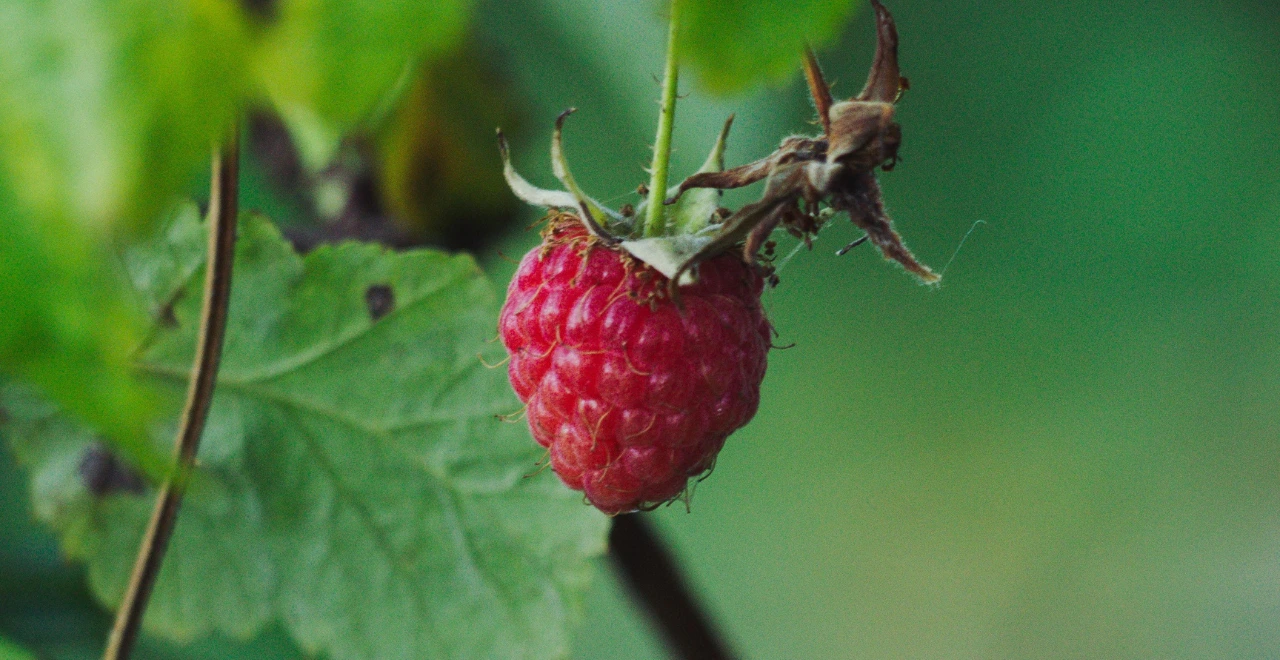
(631, 394)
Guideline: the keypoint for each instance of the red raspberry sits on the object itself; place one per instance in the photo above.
(631, 395)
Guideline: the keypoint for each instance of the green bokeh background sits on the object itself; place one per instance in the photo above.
(1069, 449)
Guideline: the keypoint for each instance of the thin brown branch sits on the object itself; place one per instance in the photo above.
(818, 89)
(223, 211)
(654, 580)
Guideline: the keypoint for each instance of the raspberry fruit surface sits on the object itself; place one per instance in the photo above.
(631, 394)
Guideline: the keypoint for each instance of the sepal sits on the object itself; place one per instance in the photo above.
(668, 254)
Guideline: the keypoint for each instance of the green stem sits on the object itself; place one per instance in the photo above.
(655, 219)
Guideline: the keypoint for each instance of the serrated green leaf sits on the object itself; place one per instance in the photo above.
(733, 45)
(328, 64)
(354, 481)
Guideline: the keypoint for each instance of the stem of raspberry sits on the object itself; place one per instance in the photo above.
(655, 218)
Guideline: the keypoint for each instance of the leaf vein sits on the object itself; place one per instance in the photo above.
(366, 518)
(305, 358)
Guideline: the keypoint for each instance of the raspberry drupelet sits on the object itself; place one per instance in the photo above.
(631, 394)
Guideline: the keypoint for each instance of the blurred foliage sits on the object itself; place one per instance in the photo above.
(356, 484)
(11, 651)
(326, 64)
(108, 108)
(67, 326)
(1068, 450)
(733, 45)
(104, 109)
(439, 172)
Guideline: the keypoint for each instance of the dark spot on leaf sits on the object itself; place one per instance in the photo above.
(104, 473)
(166, 317)
(380, 299)
(264, 10)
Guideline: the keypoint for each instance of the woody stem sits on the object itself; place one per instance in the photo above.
(652, 574)
(223, 212)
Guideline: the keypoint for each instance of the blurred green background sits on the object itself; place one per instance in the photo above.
(1069, 449)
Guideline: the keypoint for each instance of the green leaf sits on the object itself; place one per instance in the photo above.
(733, 44)
(329, 64)
(11, 651)
(354, 482)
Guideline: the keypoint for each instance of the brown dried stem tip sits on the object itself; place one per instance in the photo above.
(837, 168)
(818, 88)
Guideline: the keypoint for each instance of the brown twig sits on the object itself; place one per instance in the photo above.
(655, 581)
(223, 211)
(818, 88)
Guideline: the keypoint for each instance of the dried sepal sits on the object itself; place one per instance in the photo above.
(793, 149)
(859, 135)
(865, 206)
(754, 222)
(885, 79)
(818, 88)
(863, 135)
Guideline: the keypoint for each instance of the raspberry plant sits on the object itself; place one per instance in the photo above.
(354, 487)
(632, 389)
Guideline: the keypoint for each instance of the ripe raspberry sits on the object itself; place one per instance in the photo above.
(631, 395)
